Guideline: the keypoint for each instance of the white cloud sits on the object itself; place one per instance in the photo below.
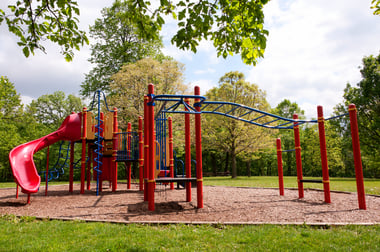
(314, 49)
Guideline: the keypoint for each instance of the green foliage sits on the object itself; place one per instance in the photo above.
(52, 109)
(229, 135)
(129, 86)
(53, 20)
(235, 27)
(366, 97)
(376, 7)
(117, 43)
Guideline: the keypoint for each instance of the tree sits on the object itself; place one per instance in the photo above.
(232, 136)
(287, 109)
(376, 7)
(53, 20)
(52, 109)
(234, 26)
(117, 43)
(366, 97)
(129, 85)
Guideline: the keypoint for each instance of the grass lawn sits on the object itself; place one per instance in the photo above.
(28, 234)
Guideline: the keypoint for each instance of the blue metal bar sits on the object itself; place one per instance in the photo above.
(257, 118)
(275, 120)
(289, 150)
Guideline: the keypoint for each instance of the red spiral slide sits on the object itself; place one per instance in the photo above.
(21, 157)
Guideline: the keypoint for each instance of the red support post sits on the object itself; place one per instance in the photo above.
(114, 147)
(89, 167)
(322, 145)
(141, 159)
(151, 159)
(146, 147)
(297, 145)
(28, 201)
(279, 167)
(71, 175)
(357, 156)
(129, 151)
(187, 153)
(198, 141)
(101, 133)
(83, 158)
(171, 154)
(47, 170)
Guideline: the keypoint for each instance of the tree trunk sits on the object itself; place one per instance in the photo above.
(233, 162)
(213, 164)
(227, 162)
(249, 168)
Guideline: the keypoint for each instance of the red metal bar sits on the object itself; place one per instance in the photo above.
(47, 170)
(151, 159)
(198, 141)
(28, 201)
(141, 159)
(83, 158)
(129, 151)
(146, 148)
(101, 133)
(297, 144)
(71, 175)
(171, 157)
(279, 167)
(357, 156)
(89, 167)
(322, 145)
(114, 154)
(187, 153)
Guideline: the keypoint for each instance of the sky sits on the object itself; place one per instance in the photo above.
(314, 49)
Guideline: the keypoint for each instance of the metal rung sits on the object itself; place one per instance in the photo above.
(311, 181)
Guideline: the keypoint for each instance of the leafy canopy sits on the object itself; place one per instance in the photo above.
(117, 43)
(234, 26)
(36, 21)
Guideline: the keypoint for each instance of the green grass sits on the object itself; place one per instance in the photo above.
(371, 186)
(28, 234)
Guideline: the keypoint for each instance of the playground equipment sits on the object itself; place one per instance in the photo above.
(153, 150)
(322, 142)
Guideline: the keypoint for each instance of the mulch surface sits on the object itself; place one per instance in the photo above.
(221, 205)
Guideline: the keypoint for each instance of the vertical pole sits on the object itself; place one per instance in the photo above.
(322, 145)
(151, 162)
(71, 175)
(357, 156)
(114, 147)
(187, 153)
(47, 170)
(129, 152)
(141, 159)
(297, 145)
(146, 147)
(83, 158)
(171, 157)
(89, 167)
(101, 137)
(16, 191)
(28, 202)
(198, 141)
(279, 167)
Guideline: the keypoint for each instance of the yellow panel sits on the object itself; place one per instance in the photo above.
(90, 126)
(108, 126)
